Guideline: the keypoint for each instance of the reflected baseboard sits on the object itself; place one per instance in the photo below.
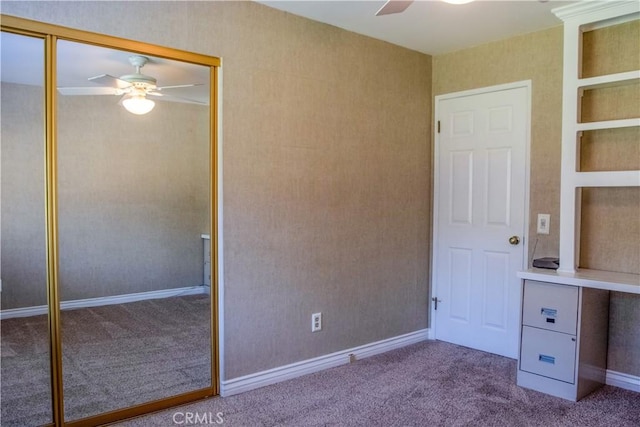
(95, 302)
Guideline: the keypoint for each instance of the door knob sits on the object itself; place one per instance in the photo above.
(514, 240)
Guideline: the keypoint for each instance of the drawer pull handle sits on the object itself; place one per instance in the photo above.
(547, 359)
(550, 320)
(550, 312)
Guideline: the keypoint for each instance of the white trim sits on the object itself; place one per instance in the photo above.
(95, 302)
(309, 366)
(595, 12)
(220, 233)
(527, 84)
(622, 380)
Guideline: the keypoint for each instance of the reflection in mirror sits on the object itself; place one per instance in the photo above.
(24, 348)
(133, 206)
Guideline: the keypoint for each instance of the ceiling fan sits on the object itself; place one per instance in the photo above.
(397, 6)
(133, 88)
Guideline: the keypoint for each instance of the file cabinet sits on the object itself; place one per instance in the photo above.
(563, 339)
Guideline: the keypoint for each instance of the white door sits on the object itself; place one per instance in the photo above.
(480, 200)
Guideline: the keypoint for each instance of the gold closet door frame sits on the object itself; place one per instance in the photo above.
(51, 34)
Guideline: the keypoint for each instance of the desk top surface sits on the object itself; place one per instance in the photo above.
(599, 279)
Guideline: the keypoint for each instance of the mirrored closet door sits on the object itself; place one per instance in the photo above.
(108, 210)
(25, 395)
(133, 204)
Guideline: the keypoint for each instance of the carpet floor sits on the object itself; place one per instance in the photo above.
(116, 356)
(431, 383)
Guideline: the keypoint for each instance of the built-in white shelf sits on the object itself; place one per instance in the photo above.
(609, 80)
(598, 279)
(607, 179)
(579, 18)
(608, 124)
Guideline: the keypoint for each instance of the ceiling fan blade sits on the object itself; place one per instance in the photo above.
(107, 80)
(89, 91)
(177, 86)
(393, 6)
(164, 97)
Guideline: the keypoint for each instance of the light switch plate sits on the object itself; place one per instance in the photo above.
(543, 223)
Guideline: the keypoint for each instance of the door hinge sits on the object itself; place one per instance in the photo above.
(438, 126)
(435, 302)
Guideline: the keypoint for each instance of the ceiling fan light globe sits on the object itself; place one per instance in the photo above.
(138, 105)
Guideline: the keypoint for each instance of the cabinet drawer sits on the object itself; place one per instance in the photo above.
(547, 353)
(550, 306)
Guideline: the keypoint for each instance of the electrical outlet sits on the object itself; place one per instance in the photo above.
(316, 322)
(543, 223)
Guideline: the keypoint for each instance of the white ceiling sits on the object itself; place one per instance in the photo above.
(431, 26)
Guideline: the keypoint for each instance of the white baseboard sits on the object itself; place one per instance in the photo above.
(622, 380)
(282, 373)
(95, 302)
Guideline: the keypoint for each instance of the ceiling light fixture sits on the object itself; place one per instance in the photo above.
(138, 104)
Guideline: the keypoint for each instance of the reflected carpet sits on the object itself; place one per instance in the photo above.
(114, 356)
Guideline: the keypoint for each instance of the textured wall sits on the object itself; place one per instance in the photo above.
(326, 172)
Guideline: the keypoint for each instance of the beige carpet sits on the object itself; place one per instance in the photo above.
(427, 384)
(135, 352)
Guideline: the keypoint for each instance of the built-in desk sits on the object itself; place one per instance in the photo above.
(564, 329)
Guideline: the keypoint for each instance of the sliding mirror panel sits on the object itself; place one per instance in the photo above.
(133, 214)
(25, 395)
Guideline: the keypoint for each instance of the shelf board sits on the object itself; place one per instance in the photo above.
(607, 179)
(609, 80)
(608, 124)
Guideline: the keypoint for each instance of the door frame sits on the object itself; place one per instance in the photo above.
(436, 196)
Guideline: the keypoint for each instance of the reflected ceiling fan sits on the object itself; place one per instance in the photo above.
(133, 88)
(397, 6)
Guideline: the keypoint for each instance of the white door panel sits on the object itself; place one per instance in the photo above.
(480, 203)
